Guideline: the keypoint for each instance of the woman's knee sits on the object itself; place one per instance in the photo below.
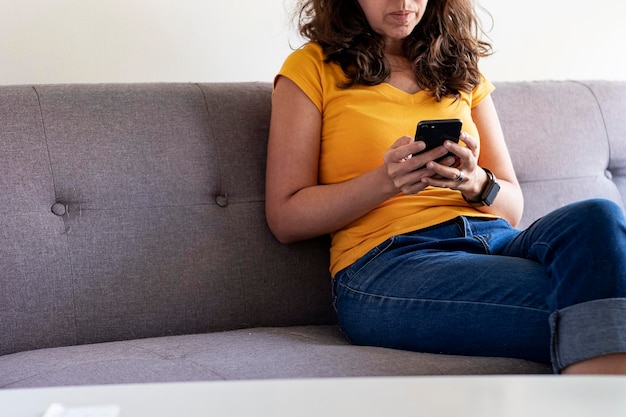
(602, 206)
(598, 216)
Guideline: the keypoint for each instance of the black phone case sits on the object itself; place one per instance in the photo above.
(435, 132)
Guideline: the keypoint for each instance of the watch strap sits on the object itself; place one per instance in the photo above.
(489, 192)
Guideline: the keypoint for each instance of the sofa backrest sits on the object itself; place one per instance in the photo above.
(137, 210)
(567, 140)
(134, 211)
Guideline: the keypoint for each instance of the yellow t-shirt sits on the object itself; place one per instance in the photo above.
(360, 123)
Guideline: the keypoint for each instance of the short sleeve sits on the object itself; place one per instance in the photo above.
(305, 68)
(482, 90)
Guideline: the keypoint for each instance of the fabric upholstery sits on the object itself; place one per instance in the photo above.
(285, 352)
(134, 247)
(558, 141)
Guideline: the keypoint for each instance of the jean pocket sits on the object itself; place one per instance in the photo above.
(357, 267)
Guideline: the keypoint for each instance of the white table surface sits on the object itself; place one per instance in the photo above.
(480, 396)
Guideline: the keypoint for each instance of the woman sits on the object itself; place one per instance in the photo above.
(424, 255)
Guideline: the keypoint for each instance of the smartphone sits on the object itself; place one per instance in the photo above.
(435, 132)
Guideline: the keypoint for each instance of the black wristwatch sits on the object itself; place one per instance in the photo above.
(489, 192)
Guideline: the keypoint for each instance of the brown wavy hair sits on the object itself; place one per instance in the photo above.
(444, 48)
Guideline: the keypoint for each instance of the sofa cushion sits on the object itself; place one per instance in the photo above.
(36, 307)
(289, 352)
(134, 216)
(555, 131)
(611, 99)
(137, 211)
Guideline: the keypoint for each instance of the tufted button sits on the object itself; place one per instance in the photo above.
(221, 200)
(59, 209)
(608, 174)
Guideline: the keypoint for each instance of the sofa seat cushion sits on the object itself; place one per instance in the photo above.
(260, 353)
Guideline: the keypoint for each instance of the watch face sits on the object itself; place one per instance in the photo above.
(491, 193)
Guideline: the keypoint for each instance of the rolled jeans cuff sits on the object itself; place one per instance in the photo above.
(587, 330)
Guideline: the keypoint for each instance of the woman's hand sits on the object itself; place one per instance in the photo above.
(407, 170)
(464, 175)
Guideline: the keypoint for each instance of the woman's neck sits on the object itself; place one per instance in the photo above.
(394, 47)
(402, 76)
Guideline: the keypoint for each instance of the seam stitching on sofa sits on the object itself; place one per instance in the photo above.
(33, 375)
(604, 125)
(45, 137)
(217, 145)
(221, 192)
(168, 206)
(177, 357)
(127, 343)
(62, 368)
(54, 185)
(240, 272)
(134, 346)
(208, 368)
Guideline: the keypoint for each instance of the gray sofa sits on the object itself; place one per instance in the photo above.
(134, 248)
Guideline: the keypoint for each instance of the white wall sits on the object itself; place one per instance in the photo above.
(65, 41)
(557, 39)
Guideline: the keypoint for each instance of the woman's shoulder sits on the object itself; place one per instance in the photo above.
(481, 90)
(313, 48)
(309, 62)
(311, 51)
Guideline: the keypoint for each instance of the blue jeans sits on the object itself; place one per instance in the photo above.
(554, 293)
